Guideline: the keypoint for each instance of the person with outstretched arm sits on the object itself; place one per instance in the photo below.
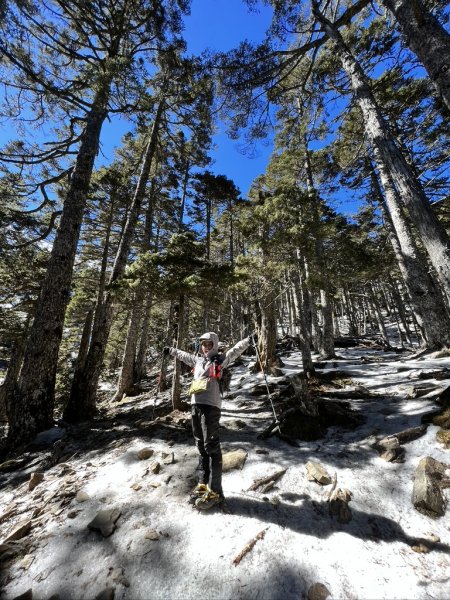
(206, 403)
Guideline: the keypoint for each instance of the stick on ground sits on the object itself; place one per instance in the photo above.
(259, 482)
(246, 549)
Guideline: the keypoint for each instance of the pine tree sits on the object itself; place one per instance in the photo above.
(85, 51)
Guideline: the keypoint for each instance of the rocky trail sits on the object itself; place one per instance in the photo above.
(322, 507)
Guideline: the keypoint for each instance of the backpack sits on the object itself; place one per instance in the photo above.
(223, 375)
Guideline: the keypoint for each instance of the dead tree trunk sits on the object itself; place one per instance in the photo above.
(267, 337)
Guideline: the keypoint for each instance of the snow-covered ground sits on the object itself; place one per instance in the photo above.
(164, 548)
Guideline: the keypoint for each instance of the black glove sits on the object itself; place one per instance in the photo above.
(166, 350)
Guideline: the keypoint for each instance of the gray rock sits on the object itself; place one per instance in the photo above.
(19, 532)
(396, 455)
(339, 505)
(152, 534)
(168, 458)
(233, 460)
(117, 575)
(315, 472)
(35, 479)
(82, 496)
(145, 453)
(9, 550)
(427, 495)
(106, 594)
(318, 591)
(105, 521)
(155, 467)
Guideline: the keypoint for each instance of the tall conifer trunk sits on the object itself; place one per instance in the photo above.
(143, 340)
(82, 403)
(125, 384)
(304, 333)
(325, 341)
(426, 37)
(139, 317)
(267, 337)
(31, 404)
(180, 320)
(409, 188)
(428, 304)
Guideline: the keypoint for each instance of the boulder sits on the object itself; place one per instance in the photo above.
(427, 495)
(233, 460)
(145, 453)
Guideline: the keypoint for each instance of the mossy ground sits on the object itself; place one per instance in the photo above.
(443, 421)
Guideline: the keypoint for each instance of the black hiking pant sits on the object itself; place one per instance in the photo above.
(205, 426)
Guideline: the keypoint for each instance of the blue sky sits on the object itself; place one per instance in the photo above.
(221, 25)
(216, 25)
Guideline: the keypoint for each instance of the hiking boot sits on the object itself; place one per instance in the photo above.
(208, 500)
(199, 490)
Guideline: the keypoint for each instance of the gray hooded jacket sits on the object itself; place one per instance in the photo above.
(202, 364)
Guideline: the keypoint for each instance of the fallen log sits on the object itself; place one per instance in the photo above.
(402, 437)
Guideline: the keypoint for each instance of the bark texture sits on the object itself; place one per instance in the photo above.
(32, 403)
(433, 235)
(180, 320)
(426, 299)
(82, 404)
(426, 37)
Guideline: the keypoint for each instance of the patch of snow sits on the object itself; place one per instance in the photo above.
(370, 557)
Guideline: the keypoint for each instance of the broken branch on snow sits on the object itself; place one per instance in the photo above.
(267, 480)
(246, 549)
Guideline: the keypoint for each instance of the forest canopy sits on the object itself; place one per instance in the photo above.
(103, 263)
